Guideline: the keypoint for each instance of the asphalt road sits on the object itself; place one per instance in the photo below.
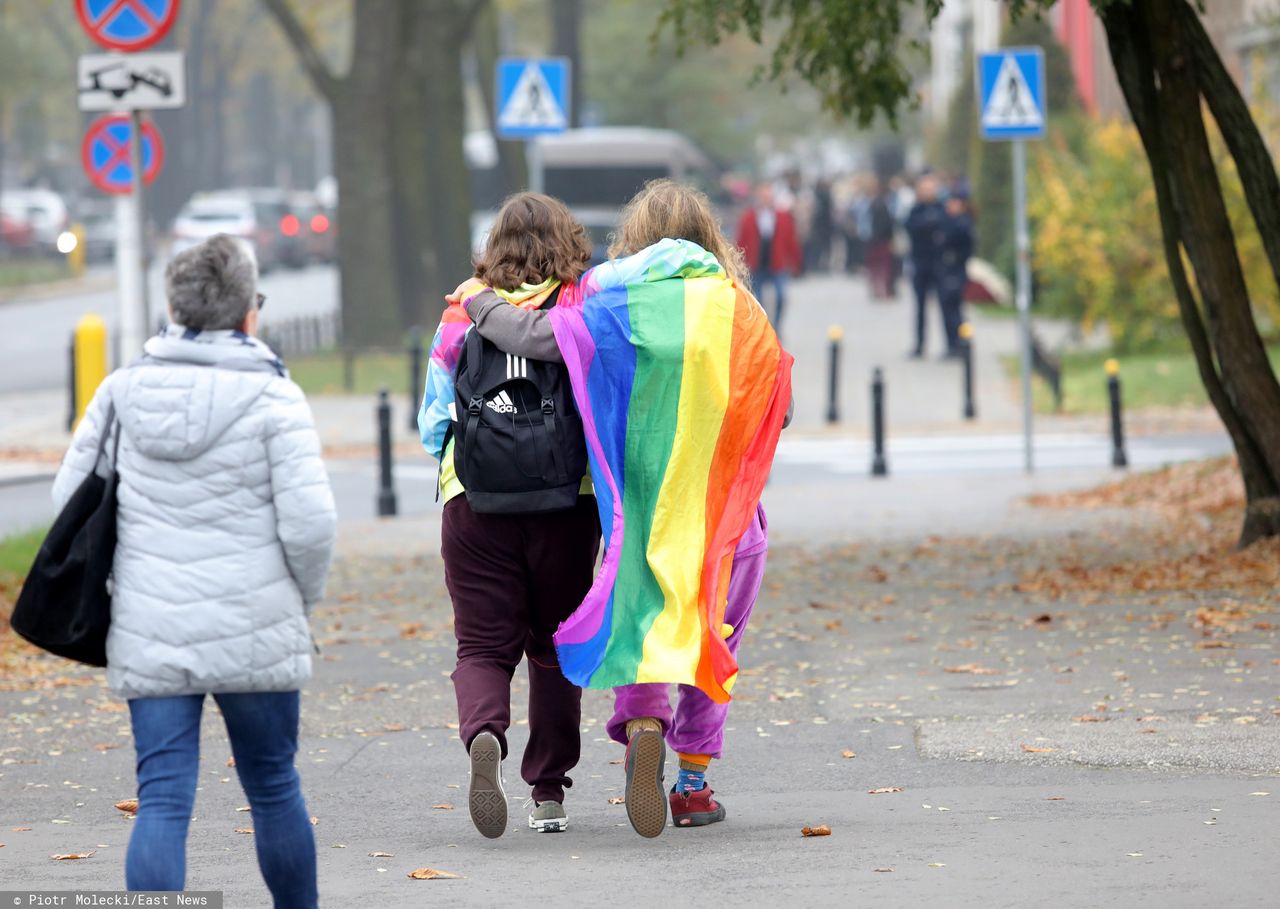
(34, 335)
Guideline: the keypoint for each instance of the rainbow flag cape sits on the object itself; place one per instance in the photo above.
(682, 386)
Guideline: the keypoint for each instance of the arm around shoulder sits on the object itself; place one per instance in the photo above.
(523, 332)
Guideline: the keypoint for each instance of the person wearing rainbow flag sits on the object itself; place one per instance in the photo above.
(656, 615)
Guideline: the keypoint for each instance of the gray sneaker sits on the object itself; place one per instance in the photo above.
(548, 817)
(487, 801)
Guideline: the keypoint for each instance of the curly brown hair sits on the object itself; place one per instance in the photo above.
(535, 237)
(664, 208)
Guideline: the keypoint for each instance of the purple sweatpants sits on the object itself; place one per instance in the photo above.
(697, 726)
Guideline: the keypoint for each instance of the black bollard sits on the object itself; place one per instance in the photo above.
(835, 333)
(966, 352)
(348, 369)
(1118, 456)
(71, 384)
(386, 492)
(415, 376)
(879, 466)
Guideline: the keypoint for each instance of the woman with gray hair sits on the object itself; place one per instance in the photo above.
(226, 525)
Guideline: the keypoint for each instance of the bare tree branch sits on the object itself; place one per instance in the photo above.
(468, 20)
(326, 83)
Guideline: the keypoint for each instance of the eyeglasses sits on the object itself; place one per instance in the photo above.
(261, 300)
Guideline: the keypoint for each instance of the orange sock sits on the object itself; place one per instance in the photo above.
(697, 763)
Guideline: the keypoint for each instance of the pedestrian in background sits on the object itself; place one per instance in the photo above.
(226, 525)
(925, 225)
(770, 247)
(818, 250)
(953, 259)
(880, 244)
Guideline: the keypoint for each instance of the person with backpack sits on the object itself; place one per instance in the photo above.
(520, 532)
(643, 716)
(225, 528)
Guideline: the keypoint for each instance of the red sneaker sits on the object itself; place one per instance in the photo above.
(646, 808)
(695, 809)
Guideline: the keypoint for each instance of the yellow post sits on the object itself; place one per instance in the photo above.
(75, 257)
(91, 360)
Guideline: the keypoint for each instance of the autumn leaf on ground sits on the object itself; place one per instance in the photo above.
(883, 790)
(1214, 645)
(72, 856)
(617, 800)
(1055, 798)
(618, 761)
(231, 762)
(972, 669)
(820, 830)
(1037, 749)
(248, 830)
(105, 746)
(381, 855)
(128, 806)
(1089, 718)
(846, 754)
(394, 727)
(442, 806)
(881, 870)
(433, 874)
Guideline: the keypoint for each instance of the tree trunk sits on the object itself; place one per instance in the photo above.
(366, 187)
(1160, 80)
(566, 31)
(513, 170)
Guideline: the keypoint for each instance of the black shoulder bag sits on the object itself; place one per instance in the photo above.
(65, 604)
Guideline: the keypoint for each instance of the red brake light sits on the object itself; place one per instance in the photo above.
(289, 225)
(319, 224)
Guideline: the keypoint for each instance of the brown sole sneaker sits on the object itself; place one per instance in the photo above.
(487, 801)
(646, 800)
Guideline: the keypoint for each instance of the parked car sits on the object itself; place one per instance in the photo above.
(262, 218)
(318, 227)
(16, 236)
(41, 212)
(98, 219)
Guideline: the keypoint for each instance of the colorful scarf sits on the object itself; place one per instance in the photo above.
(446, 349)
(682, 386)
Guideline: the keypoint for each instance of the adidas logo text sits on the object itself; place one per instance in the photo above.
(501, 403)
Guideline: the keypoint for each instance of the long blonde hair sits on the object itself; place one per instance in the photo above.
(664, 208)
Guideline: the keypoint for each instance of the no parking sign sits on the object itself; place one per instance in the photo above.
(127, 25)
(105, 153)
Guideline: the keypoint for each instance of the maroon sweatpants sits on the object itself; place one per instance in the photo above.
(513, 580)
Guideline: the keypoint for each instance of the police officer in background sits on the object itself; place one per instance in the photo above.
(926, 230)
(957, 247)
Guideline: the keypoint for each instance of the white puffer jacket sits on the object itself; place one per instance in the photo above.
(226, 519)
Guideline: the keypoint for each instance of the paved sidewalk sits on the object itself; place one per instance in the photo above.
(918, 654)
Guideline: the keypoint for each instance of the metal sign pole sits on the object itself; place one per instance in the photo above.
(1023, 242)
(533, 158)
(139, 181)
(129, 273)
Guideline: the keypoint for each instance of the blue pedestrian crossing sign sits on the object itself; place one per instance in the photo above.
(532, 97)
(1011, 94)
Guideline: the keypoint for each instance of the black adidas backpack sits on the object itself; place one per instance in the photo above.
(518, 442)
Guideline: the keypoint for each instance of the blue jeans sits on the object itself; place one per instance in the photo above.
(779, 281)
(263, 728)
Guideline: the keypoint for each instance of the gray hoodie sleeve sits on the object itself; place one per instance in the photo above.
(523, 332)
